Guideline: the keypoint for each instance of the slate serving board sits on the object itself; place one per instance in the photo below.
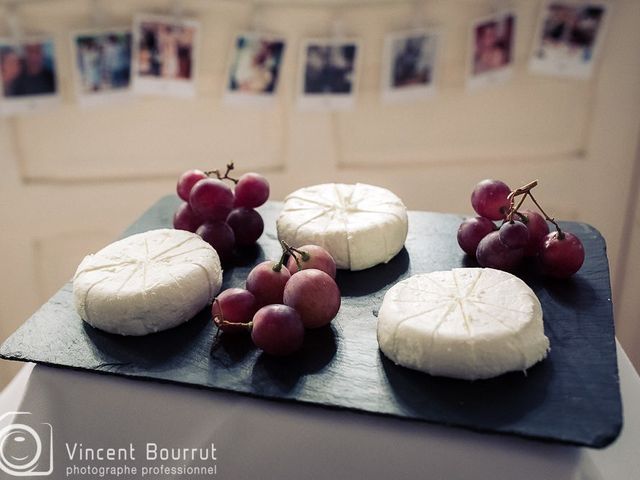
(573, 396)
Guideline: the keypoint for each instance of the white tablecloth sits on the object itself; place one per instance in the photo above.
(262, 439)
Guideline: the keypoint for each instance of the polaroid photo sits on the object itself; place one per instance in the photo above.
(28, 73)
(102, 60)
(164, 52)
(491, 51)
(328, 74)
(254, 70)
(409, 65)
(568, 39)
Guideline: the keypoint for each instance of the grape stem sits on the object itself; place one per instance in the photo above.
(219, 176)
(286, 248)
(294, 252)
(547, 217)
(513, 211)
(305, 255)
(525, 191)
(278, 266)
(219, 321)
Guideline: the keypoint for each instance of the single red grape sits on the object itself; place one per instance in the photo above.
(538, 228)
(471, 231)
(314, 295)
(561, 255)
(186, 219)
(211, 199)
(493, 253)
(252, 190)
(233, 307)
(316, 257)
(267, 284)
(186, 182)
(514, 234)
(277, 330)
(220, 236)
(489, 199)
(247, 225)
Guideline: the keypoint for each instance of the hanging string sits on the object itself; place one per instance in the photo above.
(501, 6)
(97, 13)
(256, 19)
(13, 23)
(496, 7)
(417, 20)
(320, 4)
(338, 32)
(177, 10)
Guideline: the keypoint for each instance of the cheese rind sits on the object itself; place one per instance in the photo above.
(359, 225)
(468, 323)
(147, 282)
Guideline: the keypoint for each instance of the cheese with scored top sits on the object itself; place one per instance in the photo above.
(468, 323)
(147, 282)
(359, 225)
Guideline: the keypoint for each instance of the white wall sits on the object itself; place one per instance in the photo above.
(74, 178)
(628, 274)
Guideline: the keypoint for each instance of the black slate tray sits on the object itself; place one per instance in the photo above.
(572, 397)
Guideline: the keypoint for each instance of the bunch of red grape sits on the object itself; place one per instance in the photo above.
(280, 300)
(223, 217)
(522, 233)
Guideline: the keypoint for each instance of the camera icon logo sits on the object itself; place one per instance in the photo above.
(26, 449)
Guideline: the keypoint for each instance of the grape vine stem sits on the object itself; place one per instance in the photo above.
(547, 217)
(294, 252)
(219, 176)
(219, 321)
(525, 191)
(278, 266)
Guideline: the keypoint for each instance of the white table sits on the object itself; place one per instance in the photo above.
(263, 439)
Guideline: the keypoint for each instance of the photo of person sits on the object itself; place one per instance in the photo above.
(28, 73)
(568, 38)
(164, 55)
(329, 73)
(493, 44)
(492, 49)
(255, 66)
(103, 63)
(27, 69)
(409, 65)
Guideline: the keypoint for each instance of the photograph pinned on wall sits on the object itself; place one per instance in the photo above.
(103, 65)
(254, 70)
(409, 65)
(164, 52)
(569, 36)
(492, 50)
(328, 74)
(28, 73)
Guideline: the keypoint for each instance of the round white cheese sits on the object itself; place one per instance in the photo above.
(359, 225)
(468, 323)
(147, 282)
